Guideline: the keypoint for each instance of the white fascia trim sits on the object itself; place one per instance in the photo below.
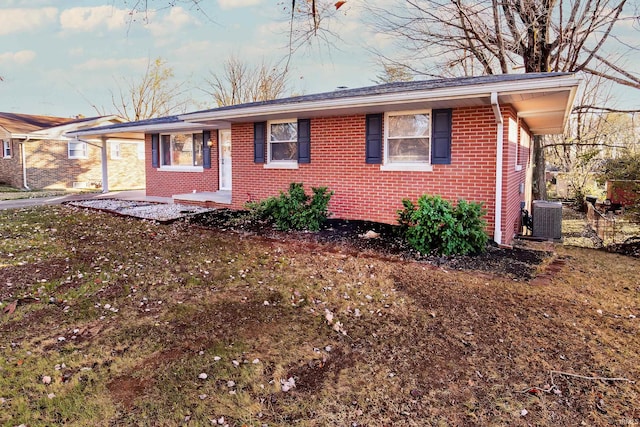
(569, 109)
(18, 136)
(440, 94)
(29, 136)
(497, 228)
(65, 128)
(158, 128)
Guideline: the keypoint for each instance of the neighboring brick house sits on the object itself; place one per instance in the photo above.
(459, 138)
(36, 154)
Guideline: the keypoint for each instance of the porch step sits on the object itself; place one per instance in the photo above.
(222, 197)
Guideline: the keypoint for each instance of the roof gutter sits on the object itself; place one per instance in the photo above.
(497, 228)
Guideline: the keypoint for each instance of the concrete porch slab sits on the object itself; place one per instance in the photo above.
(222, 197)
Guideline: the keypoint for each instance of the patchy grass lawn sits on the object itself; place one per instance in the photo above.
(10, 193)
(113, 321)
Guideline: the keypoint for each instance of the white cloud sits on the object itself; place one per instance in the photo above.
(233, 4)
(14, 20)
(176, 19)
(21, 57)
(274, 28)
(195, 49)
(76, 51)
(91, 18)
(26, 3)
(113, 63)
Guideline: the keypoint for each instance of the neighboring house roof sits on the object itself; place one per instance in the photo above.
(543, 100)
(26, 123)
(22, 126)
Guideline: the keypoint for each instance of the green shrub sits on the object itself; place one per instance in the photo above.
(294, 210)
(435, 226)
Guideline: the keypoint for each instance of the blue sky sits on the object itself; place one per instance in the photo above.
(59, 57)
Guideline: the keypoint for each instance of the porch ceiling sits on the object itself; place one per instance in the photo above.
(545, 112)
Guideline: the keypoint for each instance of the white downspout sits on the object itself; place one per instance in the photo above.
(105, 173)
(24, 164)
(497, 232)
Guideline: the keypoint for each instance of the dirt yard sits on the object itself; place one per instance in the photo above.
(114, 321)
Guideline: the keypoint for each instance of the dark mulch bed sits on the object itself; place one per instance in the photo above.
(630, 247)
(349, 236)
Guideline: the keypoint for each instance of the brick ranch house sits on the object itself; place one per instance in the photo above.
(460, 138)
(36, 154)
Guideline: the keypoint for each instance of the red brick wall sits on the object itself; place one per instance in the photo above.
(363, 191)
(127, 172)
(168, 183)
(11, 168)
(49, 166)
(511, 196)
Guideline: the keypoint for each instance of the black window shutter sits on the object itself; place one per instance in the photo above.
(441, 137)
(374, 139)
(259, 135)
(155, 150)
(304, 141)
(206, 149)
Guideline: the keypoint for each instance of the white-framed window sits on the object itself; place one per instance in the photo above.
(6, 148)
(116, 152)
(407, 140)
(140, 150)
(77, 149)
(282, 139)
(181, 150)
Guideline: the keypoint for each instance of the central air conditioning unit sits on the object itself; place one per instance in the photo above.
(547, 220)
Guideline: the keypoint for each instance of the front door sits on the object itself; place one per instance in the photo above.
(224, 141)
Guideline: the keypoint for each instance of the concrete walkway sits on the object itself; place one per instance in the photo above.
(137, 195)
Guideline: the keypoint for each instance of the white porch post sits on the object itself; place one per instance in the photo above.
(105, 172)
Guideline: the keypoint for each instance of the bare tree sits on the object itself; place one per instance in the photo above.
(592, 138)
(309, 20)
(505, 36)
(140, 9)
(469, 37)
(577, 152)
(240, 83)
(155, 94)
(393, 73)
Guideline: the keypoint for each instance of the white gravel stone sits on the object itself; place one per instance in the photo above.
(145, 210)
